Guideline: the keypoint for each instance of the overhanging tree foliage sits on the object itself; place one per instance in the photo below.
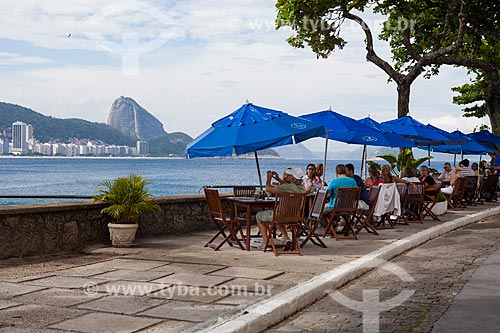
(420, 33)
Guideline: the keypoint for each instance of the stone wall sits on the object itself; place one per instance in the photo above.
(27, 230)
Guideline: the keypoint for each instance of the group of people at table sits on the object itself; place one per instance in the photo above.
(294, 181)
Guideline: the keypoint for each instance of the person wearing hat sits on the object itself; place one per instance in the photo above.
(291, 183)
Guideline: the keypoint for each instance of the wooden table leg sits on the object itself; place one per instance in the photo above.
(249, 221)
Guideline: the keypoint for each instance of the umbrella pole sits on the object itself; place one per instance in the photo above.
(324, 157)
(258, 170)
(363, 162)
(429, 154)
(462, 155)
(454, 160)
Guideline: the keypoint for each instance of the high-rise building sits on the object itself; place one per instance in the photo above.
(19, 138)
(143, 147)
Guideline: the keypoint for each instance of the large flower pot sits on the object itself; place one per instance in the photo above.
(121, 234)
(440, 208)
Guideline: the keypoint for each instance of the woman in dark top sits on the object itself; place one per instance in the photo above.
(429, 183)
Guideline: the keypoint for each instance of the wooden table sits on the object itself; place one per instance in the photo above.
(249, 203)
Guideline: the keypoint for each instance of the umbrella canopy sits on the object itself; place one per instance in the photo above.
(391, 136)
(251, 128)
(349, 130)
(486, 138)
(470, 147)
(415, 131)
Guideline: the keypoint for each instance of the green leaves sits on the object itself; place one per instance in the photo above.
(404, 160)
(127, 197)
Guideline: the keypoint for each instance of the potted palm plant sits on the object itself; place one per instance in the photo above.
(441, 206)
(128, 199)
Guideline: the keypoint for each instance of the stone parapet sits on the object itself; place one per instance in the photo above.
(27, 230)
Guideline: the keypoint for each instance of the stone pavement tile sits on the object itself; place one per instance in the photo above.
(261, 287)
(105, 322)
(4, 304)
(84, 271)
(178, 267)
(121, 304)
(69, 282)
(190, 294)
(12, 329)
(169, 326)
(127, 274)
(8, 289)
(194, 312)
(242, 299)
(36, 316)
(248, 273)
(130, 288)
(134, 264)
(292, 277)
(193, 280)
(29, 277)
(58, 297)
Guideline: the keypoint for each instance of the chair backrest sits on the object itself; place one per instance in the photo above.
(490, 184)
(471, 183)
(373, 195)
(289, 208)
(346, 200)
(415, 193)
(403, 191)
(318, 205)
(214, 204)
(459, 186)
(244, 191)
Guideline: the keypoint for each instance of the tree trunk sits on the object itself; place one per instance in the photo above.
(494, 112)
(403, 99)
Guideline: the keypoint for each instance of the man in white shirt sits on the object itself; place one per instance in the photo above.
(447, 173)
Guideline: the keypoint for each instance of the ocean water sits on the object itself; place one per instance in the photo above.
(80, 176)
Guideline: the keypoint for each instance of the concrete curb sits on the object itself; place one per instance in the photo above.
(273, 310)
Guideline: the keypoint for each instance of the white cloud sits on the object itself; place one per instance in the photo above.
(220, 53)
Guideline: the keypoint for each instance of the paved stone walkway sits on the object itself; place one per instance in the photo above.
(172, 284)
(440, 269)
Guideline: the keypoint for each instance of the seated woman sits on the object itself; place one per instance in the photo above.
(387, 176)
(429, 183)
(311, 183)
(457, 174)
(319, 174)
(411, 175)
(374, 178)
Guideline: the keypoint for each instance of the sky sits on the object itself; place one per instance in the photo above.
(192, 62)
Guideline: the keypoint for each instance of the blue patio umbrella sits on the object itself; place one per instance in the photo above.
(349, 130)
(486, 138)
(415, 131)
(251, 128)
(345, 129)
(468, 147)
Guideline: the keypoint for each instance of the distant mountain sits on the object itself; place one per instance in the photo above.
(131, 119)
(297, 151)
(169, 144)
(62, 130)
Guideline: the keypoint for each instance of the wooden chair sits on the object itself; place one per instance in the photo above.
(365, 217)
(470, 190)
(415, 203)
(223, 224)
(288, 210)
(244, 191)
(346, 207)
(403, 192)
(455, 198)
(312, 221)
(429, 204)
(488, 192)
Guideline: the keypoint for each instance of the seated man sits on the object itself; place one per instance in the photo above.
(466, 171)
(447, 173)
(292, 183)
(364, 202)
(341, 181)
